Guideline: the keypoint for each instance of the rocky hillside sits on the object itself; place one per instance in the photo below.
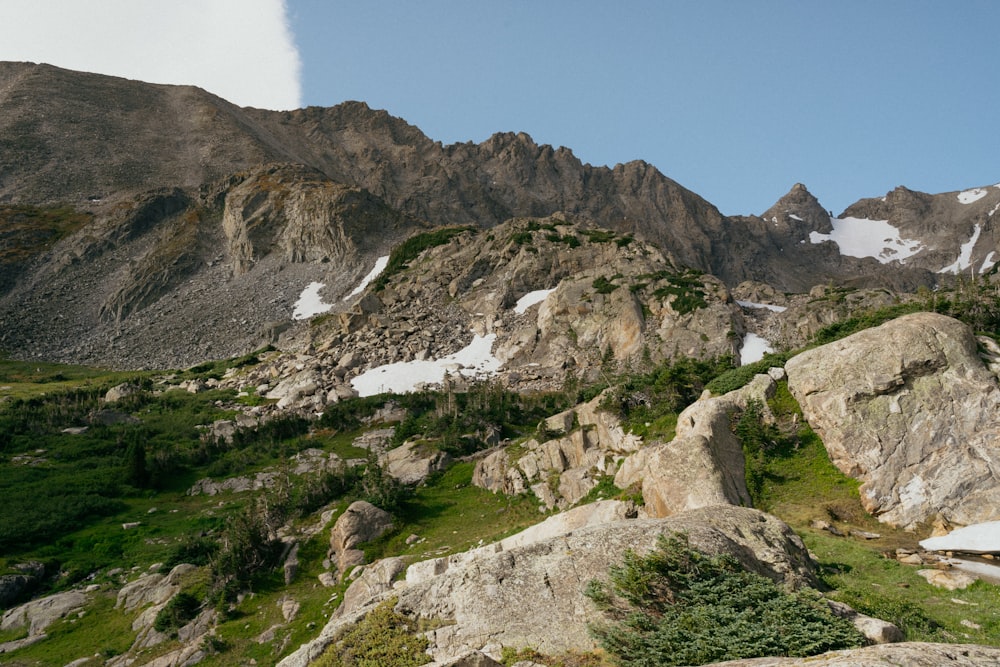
(150, 225)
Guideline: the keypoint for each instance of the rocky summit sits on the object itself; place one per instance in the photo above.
(353, 396)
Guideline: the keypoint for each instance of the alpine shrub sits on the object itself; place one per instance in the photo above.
(678, 606)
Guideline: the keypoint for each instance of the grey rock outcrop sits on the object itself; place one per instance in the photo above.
(412, 462)
(909, 409)
(532, 595)
(703, 465)
(39, 614)
(361, 522)
(912, 654)
(589, 443)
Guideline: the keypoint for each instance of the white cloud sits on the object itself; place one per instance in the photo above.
(241, 50)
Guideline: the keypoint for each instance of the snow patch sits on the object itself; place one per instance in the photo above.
(795, 217)
(380, 265)
(977, 538)
(754, 348)
(768, 306)
(988, 263)
(475, 360)
(964, 255)
(859, 237)
(310, 303)
(969, 196)
(995, 209)
(530, 299)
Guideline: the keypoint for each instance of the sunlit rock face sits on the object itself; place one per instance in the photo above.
(910, 410)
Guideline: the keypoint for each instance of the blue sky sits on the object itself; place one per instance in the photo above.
(736, 100)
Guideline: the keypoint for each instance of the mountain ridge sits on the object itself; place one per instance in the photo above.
(156, 167)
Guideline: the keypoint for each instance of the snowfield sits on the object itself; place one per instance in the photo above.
(858, 237)
(474, 360)
(310, 303)
(530, 299)
(969, 196)
(964, 260)
(380, 265)
(754, 348)
(766, 306)
(977, 538)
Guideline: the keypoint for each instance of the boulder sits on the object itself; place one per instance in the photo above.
(412, 462)
(703, 465)
(39, 614)
(587, 443)
(909, 409)
(124, 390)
(361, 522)
(531, 595)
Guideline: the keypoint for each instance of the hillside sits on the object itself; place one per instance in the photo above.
(348, 392)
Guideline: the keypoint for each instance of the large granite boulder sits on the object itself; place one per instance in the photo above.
(531, 594)
(703, 465)
(909, 409)
(361, 522)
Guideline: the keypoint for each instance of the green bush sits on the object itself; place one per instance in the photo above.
(383, 638)
(410, 249)
(678, 606)
(181, 609)
(603, 285)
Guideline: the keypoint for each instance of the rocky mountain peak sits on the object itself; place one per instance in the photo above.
(799, 212)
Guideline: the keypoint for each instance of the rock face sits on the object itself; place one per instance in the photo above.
(361, 522)
(589, 443)
(411, 463)
(703, 465)
(532, 595)
(887, 655)
(909, 409)
(39, 614)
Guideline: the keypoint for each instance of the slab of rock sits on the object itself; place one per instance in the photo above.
(412, 463)
(911, 654)
(951, 580)
(532, 595)
(909, 409)
(361, 522)
(39, 614)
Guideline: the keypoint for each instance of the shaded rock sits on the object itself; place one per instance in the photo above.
(412, 462)
(361, 522)
(909, 409)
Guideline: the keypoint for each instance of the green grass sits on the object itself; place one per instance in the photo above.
(450, 515)
(102, 630)
(890, 590)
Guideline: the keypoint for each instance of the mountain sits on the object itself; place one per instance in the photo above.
(153, 225)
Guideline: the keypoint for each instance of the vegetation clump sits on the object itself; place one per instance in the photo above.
(383, 638)
(678, 606)
(410, 249)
